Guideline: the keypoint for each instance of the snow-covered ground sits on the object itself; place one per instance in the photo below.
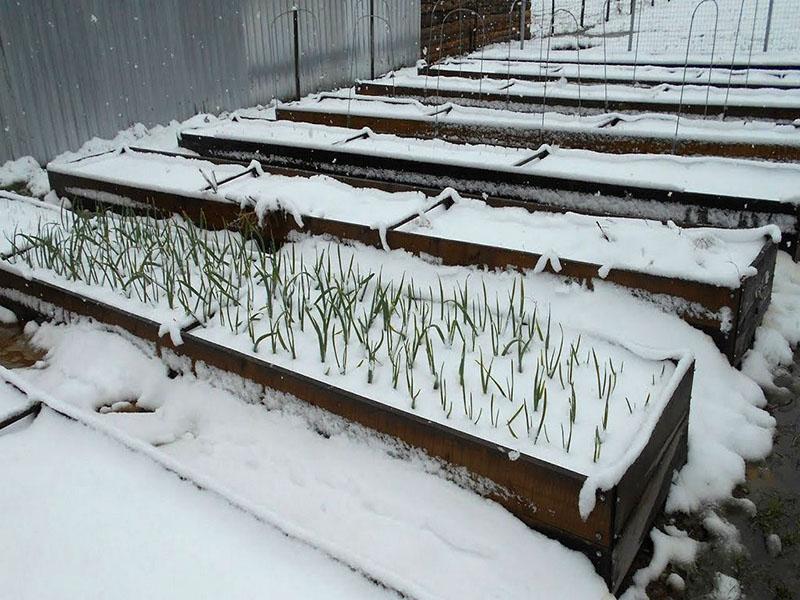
(83, 517)
(662, 31)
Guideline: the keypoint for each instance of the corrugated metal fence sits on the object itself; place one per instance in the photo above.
(73, 70)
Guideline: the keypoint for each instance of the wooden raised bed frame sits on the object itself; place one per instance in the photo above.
(533, 103)
(542, 495)
(516, 187)
(747, 304)
(599, 139)
(452, 70)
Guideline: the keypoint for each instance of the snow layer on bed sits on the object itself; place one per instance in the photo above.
(23, 215)
(718, 257)
(650, 124)
(711, 175)
(309, 470)
(104, 522)
(670, 94)
(724, 176)
(324, 197)
(305, 135)
(151, 171)
(644, 73)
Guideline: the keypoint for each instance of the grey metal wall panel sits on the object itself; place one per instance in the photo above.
(71, 70)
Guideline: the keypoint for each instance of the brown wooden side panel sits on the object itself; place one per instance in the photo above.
(632, 486)
(342, 230)
(213, 214)
(755, 298)
(650, 504)
(75, 303)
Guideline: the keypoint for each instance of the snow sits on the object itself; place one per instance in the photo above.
(774, 545)
(323, 197)
(125, 263)
(24, 171)
(158, 137)
(726, 588)
(647, 381)
(612, 123)
(152, 171)
(188, 177)
(706, 255)
(712, 256)
(724, 532)
(665, 94)
(303, 135)
(11, 400)
(738, 178)
(676, 582)
(344, 487)
(23, 215)
(7, 317)
(663, 32)
(671, 546)
(780, 331)
(644, 74)
(105, 522)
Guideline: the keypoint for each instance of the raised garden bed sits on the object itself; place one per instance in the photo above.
(772, 105)
(532, 55)
(169, 183)
(474, 68)
(596, 489)
(503, 175)
(719, 281)
(619, 134)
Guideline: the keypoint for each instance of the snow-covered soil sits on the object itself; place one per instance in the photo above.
(162, 173)
(731, 177)
(166, 270)
(651, 125)
(293, 302)
(716, 256)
